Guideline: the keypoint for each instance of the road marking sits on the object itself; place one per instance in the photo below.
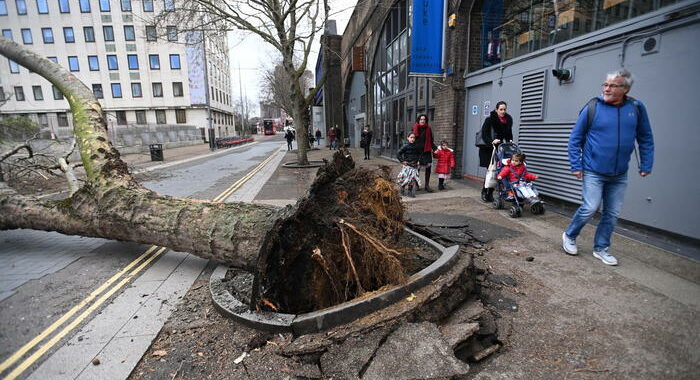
(153, 251)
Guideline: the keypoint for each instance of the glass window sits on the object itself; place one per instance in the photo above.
(151, 34)
(121, 117)
(129, 33)
(57, 94)
(148, 5)
(64, 6)
(169, 5)
(108, 32)
(136, 90)
(68, 35)
(85, 6)
(27, 36)
(116, 90)
(126, 5)
(104, 6)
(140, 117)
(38, 94)
(21, 7)
(53, 59)
(3, 7)
(47, 35)
(154, 61)
(177, 89)
(73, 63)
(172, 33)
(89, 34)
(14, 67)
(112, 62)
(157, 89)
(42, 6)
(175, 61)
(160, 117)
(133, 60)
(62, 119)
(97, 90)
(180, 116)
(19, 93)
(93, 63)
(7, 33)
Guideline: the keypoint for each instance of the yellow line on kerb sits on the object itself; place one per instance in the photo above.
(41, 351)
(49, 330)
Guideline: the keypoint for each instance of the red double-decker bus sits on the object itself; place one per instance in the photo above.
(269, 126)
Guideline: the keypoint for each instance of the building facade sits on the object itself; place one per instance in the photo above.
(142, 74)
(507, 50)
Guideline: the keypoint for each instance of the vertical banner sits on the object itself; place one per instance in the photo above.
(426, 38)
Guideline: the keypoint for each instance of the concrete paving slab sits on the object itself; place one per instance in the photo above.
(63, 364)
(163, 267)
(117, 359)
(250, 188)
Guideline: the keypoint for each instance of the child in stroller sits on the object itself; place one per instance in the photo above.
(514, 182)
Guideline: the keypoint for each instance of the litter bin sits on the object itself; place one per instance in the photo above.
(156, 152)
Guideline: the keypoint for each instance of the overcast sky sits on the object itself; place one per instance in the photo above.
(253, 56)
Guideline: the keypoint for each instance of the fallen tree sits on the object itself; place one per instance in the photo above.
(334, 244)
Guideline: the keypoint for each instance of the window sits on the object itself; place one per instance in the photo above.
(116, 90)
(175, 61)
(62, 119)
(136, 90)
(57, 94)
(42, 6)
(148, 5)
(169, 5)
(73, 63)
(47, 35)
(14, 67)
(133, 61)
(129, 33)
(160, 117)
(180, 116)
(126, 5)
(27, 36)
(108, 32)
(21, 7)
(154, 61)
(157, 89)
(38, 95)
(52, 59)
(97, 90)
(112, 62)
(3, 7)
(104, 6)
(151, 34)
(89, 33)
(121, 117)
(64, 6)
(177, 89)
(19, 93)
(68, 34)
(93, 63)
(85, 6)
(7, 33)
(172, 33)
(141, 117)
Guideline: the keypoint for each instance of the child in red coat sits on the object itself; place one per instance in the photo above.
(518, 176)
(445, 163)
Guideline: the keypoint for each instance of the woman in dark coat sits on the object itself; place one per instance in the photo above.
(498, 127)
(366, 140)
(425, 142)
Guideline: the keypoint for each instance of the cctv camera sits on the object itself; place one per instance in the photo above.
(562, 74)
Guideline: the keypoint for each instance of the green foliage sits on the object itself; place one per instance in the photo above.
(17, 128)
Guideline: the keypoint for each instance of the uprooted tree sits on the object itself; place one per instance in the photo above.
(335, 244)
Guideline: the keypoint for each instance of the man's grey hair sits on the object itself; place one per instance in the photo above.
(622, 73)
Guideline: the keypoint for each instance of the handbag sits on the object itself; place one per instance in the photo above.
(490, 182)
(479, 139)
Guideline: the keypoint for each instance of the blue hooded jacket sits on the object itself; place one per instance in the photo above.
(606, 147)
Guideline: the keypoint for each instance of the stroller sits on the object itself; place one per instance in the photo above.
(507, 191)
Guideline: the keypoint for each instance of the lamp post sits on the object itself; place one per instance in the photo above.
(210, 122)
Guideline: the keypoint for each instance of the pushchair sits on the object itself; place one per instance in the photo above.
(507, 191)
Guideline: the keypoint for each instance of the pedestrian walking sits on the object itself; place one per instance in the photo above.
(445, 163)
(498, 127)
(332, 135)
(600, 147)
(424, 141)
(366, 140)
(289, 136)
(409, 156)
(318, 137)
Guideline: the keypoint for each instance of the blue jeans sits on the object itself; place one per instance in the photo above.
(597, 188)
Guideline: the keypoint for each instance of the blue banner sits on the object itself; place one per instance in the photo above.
(426, 38)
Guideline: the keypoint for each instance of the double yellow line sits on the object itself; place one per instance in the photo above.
(146, 258)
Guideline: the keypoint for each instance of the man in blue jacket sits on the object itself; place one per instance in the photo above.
(599, 152)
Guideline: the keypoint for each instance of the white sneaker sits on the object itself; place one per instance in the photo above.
(569, 244)
(605, 257)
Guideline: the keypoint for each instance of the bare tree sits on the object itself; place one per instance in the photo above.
(275, 87)
(288, 26)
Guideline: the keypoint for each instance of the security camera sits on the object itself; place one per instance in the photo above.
(562, 74)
